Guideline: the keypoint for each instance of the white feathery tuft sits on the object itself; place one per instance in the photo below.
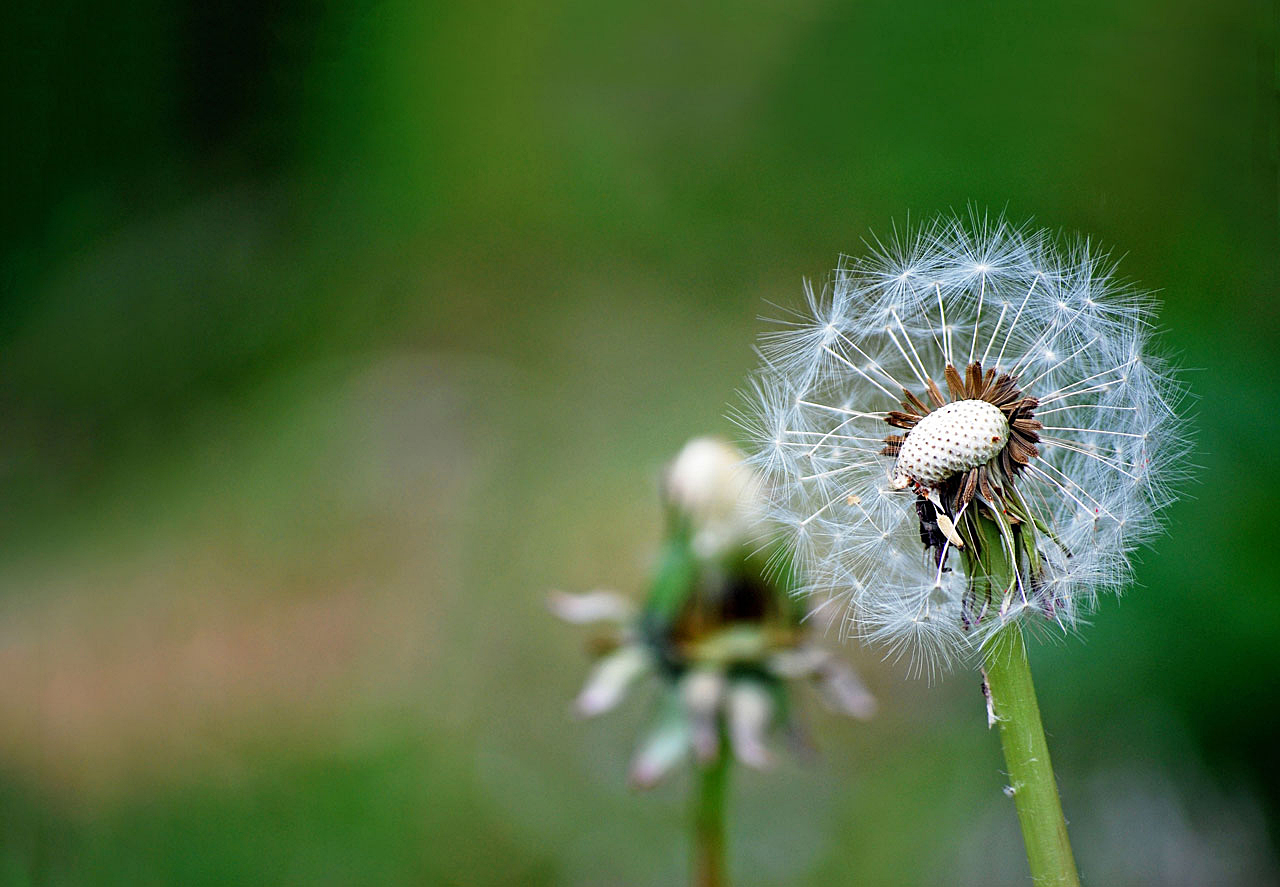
(1045, 309)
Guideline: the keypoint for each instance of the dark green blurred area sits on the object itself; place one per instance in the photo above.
(333, 335)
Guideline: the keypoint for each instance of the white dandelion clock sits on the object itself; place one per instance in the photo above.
(967, 371)
(967, 433)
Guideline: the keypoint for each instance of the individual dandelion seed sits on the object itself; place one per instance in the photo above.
(967, 433)
(722, 632)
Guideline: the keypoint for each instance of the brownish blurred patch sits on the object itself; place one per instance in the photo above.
(292, 592)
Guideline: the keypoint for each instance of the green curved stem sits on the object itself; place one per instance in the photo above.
(708, 824)
(1035, 792)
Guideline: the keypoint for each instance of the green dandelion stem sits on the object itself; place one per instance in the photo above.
(708, 823)
(1035, 792)
(993, 546)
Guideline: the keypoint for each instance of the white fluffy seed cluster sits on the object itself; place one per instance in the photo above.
(1042, 307)
(951, 439)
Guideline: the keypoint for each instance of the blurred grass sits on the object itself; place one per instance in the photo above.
(329, 816)
(333, 336)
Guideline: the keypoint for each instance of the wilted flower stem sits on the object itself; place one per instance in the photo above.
(1017, 714)
(708, 823)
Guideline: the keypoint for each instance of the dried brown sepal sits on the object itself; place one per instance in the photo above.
(988, 384)
(899, 419)
(1006, 391)
(934, 394)
(984, 484)
(973, 380)
(911, 402)
(1021, 449)
(968, 487)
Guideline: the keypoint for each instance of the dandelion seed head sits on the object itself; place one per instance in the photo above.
(966, 364)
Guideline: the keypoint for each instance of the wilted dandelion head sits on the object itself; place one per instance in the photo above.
(719, 627)
(967, 371)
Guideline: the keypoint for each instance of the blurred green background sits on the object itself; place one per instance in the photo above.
(332, 335)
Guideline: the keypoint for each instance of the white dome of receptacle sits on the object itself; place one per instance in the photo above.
(951, 439)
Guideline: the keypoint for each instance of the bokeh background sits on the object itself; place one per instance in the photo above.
(333, 335)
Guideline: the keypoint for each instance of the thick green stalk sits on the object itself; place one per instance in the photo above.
(1031, 775)
(1035, 793)
(1017, 714)
(708, 823)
